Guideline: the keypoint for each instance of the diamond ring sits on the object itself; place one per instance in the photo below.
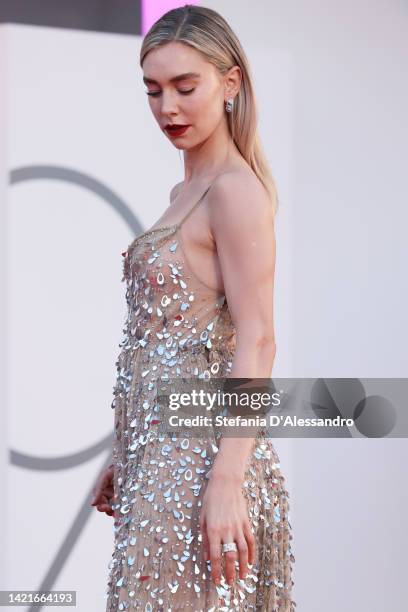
(229, 546)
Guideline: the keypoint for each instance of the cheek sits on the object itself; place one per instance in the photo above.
(206, 109)
(153, 108)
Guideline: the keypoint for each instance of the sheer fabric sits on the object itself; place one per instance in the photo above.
(178, 327)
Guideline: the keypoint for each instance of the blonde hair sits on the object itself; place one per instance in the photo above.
(207, 31)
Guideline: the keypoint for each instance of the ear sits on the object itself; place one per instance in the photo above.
(232, 81)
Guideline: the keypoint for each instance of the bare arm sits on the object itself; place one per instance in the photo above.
(242, 224)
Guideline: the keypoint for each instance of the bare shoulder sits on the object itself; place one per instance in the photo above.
(239, 196)
(174, 191)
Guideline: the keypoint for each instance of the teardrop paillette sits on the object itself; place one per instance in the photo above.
(177, 327)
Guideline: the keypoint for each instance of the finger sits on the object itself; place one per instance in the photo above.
(205, 540)
(215, 557)
(108, 491)
(104, 507)
(97, 492)
(95, 500)
(105, 481)
(230, 559)
(250, 539)
(101, 499)
(243, 556)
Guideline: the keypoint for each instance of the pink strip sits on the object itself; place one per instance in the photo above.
(151, 10)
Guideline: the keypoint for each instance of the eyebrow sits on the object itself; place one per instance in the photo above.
(179, 77)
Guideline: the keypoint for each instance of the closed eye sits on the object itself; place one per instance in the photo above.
(156, 93)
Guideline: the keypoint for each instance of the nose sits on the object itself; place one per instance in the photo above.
(168, 103)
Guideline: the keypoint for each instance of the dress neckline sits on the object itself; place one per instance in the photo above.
(157, 229)
(174, 226)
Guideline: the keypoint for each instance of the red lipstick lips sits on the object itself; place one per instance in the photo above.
(176, 129)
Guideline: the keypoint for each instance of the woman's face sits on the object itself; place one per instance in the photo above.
(184, 89)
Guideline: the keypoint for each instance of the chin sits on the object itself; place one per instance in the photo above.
(182, 146)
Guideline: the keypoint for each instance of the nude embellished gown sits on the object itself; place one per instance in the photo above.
(178, 327)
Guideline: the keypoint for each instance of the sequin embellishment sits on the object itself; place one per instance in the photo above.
(176, 326)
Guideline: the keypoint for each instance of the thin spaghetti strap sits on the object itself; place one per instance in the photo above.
(192, 208)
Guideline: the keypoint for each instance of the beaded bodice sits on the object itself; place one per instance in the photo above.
(169, 309)
(178, 327)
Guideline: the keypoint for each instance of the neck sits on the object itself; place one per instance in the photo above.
(210, 156)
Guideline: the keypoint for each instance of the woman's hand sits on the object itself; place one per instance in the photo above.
(224, 518)
(103, 491)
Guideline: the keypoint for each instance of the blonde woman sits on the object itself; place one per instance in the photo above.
(200, 524)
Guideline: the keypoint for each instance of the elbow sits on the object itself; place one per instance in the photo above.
(256, 342)
(262, 341)
(265, 356)
(266, 344)
(255, 355)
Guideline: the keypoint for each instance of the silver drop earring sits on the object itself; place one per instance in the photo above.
(229, 105)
